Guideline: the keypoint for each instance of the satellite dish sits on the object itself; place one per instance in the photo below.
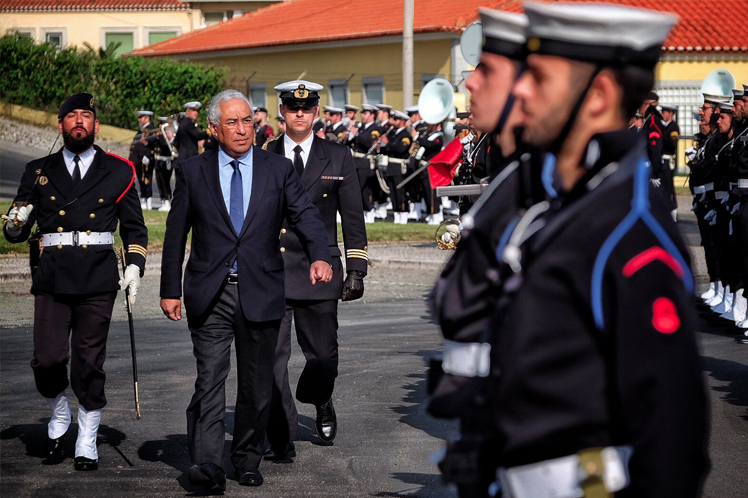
(471, 41)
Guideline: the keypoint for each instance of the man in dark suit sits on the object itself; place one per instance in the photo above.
(327, 171)
(188, 134)
(76, 197)
(234, 200)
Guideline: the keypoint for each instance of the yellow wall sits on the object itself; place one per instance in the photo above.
(80, 27)
(698, 70)
(321, 66)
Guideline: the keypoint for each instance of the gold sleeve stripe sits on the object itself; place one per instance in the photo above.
(349, 251)
(357, 253)
(134, 248)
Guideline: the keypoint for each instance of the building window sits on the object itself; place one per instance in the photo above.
(257, 94)
(216, 17)
(158, 36)
(686, 94)
(25, 32)
(55, 38)
(425, 78)
(124, 42)
(338, 93)
(373, 91)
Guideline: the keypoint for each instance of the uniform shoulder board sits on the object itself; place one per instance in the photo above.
(269, 141)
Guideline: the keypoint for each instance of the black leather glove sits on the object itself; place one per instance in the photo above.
(353, 287)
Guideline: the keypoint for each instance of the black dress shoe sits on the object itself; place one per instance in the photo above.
(54, 451)
(282, 454)
(741, 339)
(83, 463)
(209, 476)
(250, 477)
(327, 422)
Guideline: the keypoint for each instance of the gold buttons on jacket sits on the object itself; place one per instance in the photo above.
(324, 195)
(283, 230)
(101, 201)
(283, 249)
(59, 246)
(52, 198)
(59, 229)
(88, 232)
(92, 215)
(84, 246)
(62, 212)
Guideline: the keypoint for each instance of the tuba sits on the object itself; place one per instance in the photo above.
(719, 82)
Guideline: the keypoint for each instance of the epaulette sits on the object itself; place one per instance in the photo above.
(269, 141)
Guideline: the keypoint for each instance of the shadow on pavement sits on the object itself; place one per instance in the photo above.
(736, 392)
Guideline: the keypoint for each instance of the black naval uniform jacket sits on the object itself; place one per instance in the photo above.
(263, 134)
(598, 346)
(139, 150)
(398, 147)
(104, 197)
(331, 181)
(187, 138)
(367, 135)
(653, 135)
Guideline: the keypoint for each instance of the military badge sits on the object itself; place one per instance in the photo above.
(301, 92)
(43, 180)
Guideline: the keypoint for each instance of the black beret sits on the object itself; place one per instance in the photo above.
(82, 101)
(261, 109)
(652, 96)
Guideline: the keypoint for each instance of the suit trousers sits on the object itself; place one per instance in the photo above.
(212, 335)
(317, 334)
(72, 328)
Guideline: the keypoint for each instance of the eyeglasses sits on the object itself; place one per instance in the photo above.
(233, 123)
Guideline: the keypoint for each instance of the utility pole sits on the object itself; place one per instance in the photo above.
(408, 53)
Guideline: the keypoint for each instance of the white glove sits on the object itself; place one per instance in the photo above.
(131, 281)
(655, 182)
(18, 215)
(730, 227)
(451, 235)
(735, 208)
(690, 153)
(710, 215)
(145, 161)
(725, 199)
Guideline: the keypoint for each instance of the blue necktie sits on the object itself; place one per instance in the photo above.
(236, 201)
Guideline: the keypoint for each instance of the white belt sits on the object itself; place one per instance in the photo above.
(471, 359)
(720, 195)
(563, 477)
(77, 239)
(732, 185)
(401, 162)
(360, 155)
(703, 189)
(743, 183)
(667, 157)
(162, 158)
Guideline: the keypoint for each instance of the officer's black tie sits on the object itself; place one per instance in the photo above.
(297, 161)
(76, 170)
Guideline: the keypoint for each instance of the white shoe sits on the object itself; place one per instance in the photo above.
(381, 212)
(149, 203)
(674, 214)
(403, 218)
(142, 203)
(88, 428)
(165, 206)
(743, 325)
(719, 293)
(709, 293)
(414, 213)
(338, 219)
(721, 305)
(61, 416)
(436, 218)
(739, 307)
(727, 303)
(369, 216)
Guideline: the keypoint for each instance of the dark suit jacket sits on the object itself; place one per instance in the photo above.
(104, 197)
(332, 182)
(198, 205)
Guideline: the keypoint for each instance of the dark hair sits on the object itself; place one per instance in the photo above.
(635, 83)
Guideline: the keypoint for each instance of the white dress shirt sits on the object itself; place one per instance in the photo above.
(87, 158)
(289, 145)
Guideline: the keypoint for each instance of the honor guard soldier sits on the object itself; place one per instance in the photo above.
(652, 133)
(670, 133)
(329, 176)
(397, 149)
(596, 378)
(188, 134)
(430, 142)
(364, 141)
(384, 112)
(142, 156)
(76, 197)
(350, 115)
(164, 154)
(416, 123)
(462, 300)
(335, 130)
(264, 130)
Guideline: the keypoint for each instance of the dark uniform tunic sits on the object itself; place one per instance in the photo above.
(593, 341)
(367, 136)
(75, 286)
(652, 133)
(331, 181)
(139, 151)
(670, 133)
(187, 138)
(432, 143)
(398, 147)
(263, 134)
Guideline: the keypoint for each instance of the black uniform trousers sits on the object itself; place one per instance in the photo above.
(667, 176)
(398, 196)
(145, 178)
(317, 333)
(72, 328)
(708, 237)
(163, 179)
(212, 335)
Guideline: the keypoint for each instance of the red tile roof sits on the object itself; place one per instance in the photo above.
(89, 5)
(306, 21)
(704, 26)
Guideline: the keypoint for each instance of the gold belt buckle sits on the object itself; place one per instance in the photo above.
(591, 474)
